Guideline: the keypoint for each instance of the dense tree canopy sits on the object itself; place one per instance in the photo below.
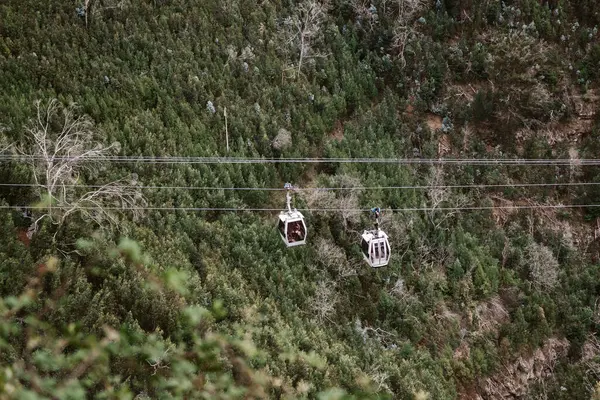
(101, 301)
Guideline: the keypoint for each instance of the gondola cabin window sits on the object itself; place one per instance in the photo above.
(292, 228)
(365, 247)
(375, 248)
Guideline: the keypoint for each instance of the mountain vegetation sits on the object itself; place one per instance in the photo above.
(119, 279)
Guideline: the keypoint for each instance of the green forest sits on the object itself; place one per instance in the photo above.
(125, 277)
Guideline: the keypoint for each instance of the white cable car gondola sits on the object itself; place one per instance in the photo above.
(375, 245)
(292, 227)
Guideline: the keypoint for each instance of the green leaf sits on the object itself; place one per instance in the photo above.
(332, 394)
(45, 201)
(313, 359)
(196, 314)
(218, 310)
(84, 244)
(130, 249)
(176, 280)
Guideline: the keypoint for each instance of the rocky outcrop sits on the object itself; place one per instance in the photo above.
(514, 379)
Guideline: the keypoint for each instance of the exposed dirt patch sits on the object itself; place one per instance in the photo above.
(462, 352)
(338, 131)
(468, 393)
(434, 122)
(22, 236)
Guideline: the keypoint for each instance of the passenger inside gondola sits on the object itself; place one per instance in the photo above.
(295, 231)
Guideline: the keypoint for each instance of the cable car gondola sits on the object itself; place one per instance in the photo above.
(292, 227)
(375, 245)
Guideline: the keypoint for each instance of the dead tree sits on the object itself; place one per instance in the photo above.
(90, 8)
(302, 30)
(543, 266)
(60, 147)
(365, 14)
(324, 302)
(160, 362)
(442, 199)
(334, 259)
(346, 202)
(379, 378)
(405, 12)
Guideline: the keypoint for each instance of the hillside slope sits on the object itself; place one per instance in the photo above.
(493, 302)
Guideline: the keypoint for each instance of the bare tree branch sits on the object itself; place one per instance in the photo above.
(160, 363)
(324, 301)
(62, 146)
(365, 12)
(334, 258)
(543, 266)
(347, 201)
(405, 12)
(95, 7)
(379, 377)
(439, 196)
(302, 30)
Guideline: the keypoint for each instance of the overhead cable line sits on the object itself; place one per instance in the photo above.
(241, 160)
(308, 189)
(408, 209)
